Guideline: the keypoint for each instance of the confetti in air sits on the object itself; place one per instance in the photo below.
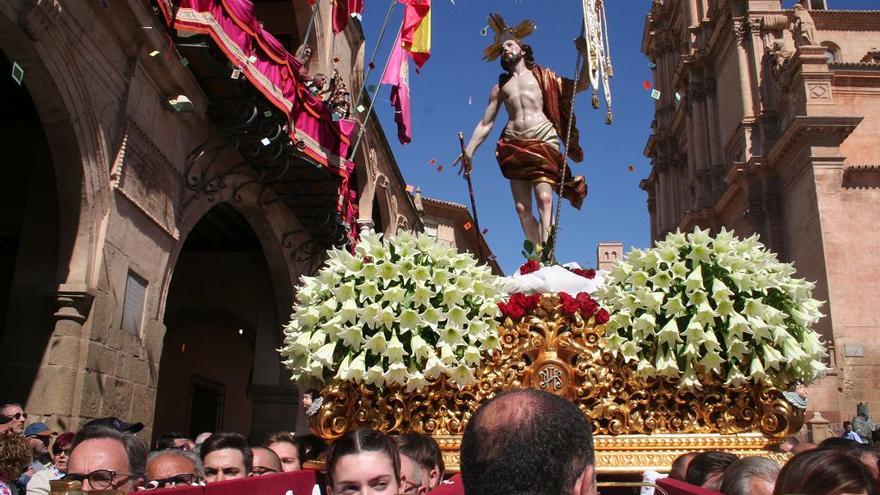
(646, 84)
(655, 94)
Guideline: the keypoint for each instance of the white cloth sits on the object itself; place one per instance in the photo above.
(39, 483)
(853, 436)
(650, 477)
(552, 279)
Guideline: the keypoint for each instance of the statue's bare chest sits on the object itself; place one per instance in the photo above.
(522, 86)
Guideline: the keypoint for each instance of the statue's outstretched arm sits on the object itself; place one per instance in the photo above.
(484, 126)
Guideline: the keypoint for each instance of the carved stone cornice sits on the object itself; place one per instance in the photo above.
(74, 302)
(803, 131)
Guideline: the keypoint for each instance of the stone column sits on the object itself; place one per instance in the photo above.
(56, 394)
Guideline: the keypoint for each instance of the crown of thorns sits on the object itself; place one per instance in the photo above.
(503, 32)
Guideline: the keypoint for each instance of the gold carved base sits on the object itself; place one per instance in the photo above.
(639, 423)
(632, 454)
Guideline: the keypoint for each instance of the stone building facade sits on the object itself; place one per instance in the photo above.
(767, 123)
(149, 252)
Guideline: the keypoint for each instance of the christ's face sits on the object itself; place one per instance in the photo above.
(511, 52)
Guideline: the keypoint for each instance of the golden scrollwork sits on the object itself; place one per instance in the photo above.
(637, 422)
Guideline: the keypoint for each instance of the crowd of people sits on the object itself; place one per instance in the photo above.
(519, 442)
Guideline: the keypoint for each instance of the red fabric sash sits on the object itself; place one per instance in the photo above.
(536, 161)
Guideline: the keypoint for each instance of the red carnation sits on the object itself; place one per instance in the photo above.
(602, 316)
(529, 267)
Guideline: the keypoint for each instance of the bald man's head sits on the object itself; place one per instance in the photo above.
(527, 441)
(265, 462)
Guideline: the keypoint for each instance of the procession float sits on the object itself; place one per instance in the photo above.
(698, 343)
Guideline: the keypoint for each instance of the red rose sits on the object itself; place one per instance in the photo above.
(529, 267)
(518, 298)
(515, 311)
(588, 273)
(570, 306)
(602, 316)
(587, 304)
(531, 302)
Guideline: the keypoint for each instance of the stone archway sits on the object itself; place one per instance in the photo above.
(229, 290)
(41, 348)
(29, 229)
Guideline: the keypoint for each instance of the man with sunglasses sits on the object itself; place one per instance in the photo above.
(173, 467)
(14, 418)
(106, 459)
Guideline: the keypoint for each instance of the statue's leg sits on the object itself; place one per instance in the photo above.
(522, 198)
(544, 197)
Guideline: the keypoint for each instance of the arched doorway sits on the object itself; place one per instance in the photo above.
(29, 233)
(220, 313)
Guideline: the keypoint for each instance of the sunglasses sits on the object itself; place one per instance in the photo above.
(21, 416)
(261, 470)
(179, 480)
(101, 479)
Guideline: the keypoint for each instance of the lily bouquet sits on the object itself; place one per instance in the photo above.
(402, 311)
(695, 304)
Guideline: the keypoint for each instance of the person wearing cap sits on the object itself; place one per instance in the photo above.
(115, 423)
(38, 436)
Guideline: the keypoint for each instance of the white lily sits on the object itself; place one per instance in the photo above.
(694, 281)
(352, 336)
(456, 317)
(357, 369)
(377, 344)
(394, 351)
(324, 355)
(415, 381)
(462, 376)
(375, 376)
(420, 348)
(396, 374)
(410, 321)
(348, 313)
(434, 368)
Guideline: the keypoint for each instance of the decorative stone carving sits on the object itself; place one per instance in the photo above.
(804, 27)
(863, 423)
(74, 303)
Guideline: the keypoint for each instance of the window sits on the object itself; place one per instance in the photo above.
(133, 303)
(430, 229)
(832, 52)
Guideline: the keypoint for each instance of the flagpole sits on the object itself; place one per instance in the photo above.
(305, 39)
(357, 141)
(360, 93)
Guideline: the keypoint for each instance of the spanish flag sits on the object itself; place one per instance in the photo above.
(416, 32)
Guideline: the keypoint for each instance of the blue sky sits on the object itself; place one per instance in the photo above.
(450, 94)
